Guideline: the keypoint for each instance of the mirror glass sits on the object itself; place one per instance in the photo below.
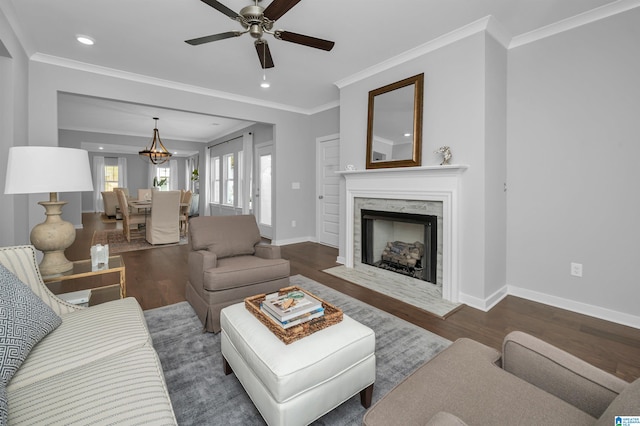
(394, 133)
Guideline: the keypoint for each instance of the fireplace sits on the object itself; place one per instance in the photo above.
(431, 190)
(405, 243)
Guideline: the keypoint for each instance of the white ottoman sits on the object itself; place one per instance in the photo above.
(297, 383)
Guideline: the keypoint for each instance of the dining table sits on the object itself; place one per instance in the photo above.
(146, 206)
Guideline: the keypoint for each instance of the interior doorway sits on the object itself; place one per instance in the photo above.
(263, 194)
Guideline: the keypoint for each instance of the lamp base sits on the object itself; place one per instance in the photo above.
(52, 237)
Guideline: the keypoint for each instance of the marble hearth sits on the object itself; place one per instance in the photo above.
(422, 190)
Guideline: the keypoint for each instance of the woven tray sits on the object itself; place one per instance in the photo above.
(332, 315)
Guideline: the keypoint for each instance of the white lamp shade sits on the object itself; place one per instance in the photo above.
(42, 169)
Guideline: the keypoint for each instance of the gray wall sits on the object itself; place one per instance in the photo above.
(573, 150)
(293, 144)
(464, 108)
(14, 226)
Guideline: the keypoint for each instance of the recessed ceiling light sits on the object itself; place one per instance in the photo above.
(86, 40)
(406, 135)
(101, 147)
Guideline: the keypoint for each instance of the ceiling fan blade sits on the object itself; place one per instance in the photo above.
(264, 54)
(318, 43)
(278, 8)
(214, 37)
(222, 8)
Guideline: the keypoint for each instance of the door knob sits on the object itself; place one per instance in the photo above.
(320, 197)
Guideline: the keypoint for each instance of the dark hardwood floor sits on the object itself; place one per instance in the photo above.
(157, 277)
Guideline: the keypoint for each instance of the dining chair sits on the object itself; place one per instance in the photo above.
(163, 222)
(128, 218)
(185, 208)
(125, 190)
(144, 194)
(110, 202)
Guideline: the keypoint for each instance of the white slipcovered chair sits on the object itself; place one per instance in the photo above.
(163, 223)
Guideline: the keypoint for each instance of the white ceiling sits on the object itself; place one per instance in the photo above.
(146, 37)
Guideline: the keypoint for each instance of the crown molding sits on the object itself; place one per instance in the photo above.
(430, 46)
(140, 78)
(8, 11)
(576, 21)
(494, 28)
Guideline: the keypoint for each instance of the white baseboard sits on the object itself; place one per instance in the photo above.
(287, 241)
(484, 304)
(558, 302)
(578, 307)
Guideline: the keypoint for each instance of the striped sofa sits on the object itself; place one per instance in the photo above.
(97, 367)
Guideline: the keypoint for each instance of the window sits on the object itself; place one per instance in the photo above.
(240, 177)
(161, 181)
(110, 177)
(228, 179)
(215, 181)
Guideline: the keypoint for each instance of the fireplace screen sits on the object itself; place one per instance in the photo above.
(405, 243)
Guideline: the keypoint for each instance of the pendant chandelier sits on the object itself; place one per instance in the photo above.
(156, 153)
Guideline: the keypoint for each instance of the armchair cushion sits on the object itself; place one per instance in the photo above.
(240, 271)
(442, 418)
(232, 235)
(25, 320)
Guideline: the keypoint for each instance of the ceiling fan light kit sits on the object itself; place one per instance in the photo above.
(257, 20)
(156, 153)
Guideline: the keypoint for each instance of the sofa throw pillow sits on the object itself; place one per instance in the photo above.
(24, 320)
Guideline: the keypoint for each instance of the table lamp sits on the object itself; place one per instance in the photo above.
(42, 169)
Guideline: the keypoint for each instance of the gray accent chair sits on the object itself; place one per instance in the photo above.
(530, 383)
(228, 263)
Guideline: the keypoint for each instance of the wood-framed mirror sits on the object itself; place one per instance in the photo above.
(394, 125)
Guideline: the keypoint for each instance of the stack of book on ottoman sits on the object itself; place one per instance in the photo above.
(293, 313)
(291, 309)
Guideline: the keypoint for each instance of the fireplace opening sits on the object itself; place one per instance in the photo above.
(405, 243)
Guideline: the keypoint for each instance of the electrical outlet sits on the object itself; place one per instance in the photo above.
(293, 223)
(576, 269)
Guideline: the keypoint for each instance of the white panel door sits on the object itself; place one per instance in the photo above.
(328, 190)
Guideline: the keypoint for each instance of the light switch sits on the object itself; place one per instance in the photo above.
(295, 185)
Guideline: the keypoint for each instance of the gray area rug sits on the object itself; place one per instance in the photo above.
(202, 395)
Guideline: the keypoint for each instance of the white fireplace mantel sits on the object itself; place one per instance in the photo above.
(429, 183)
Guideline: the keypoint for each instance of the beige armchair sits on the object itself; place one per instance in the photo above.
(530, 383)
(128, 218)
(227, 263)
(110, 202)
(163, 222)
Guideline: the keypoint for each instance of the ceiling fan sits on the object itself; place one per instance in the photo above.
(257, 20)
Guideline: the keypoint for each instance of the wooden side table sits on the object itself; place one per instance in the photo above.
(102, 282)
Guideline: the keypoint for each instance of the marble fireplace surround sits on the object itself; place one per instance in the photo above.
(429, 183)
